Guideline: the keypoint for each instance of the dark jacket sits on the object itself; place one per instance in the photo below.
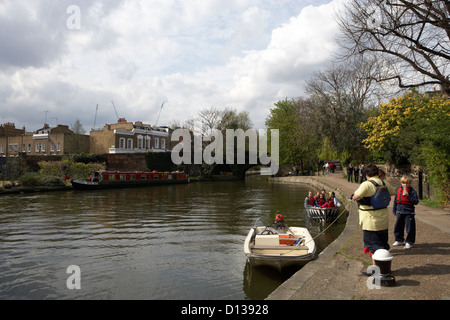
(404, 208)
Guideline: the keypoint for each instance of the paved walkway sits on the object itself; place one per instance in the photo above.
(422, 272)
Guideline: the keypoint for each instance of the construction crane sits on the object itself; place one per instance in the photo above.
(159, 113)
(115, 110)
(95, 119)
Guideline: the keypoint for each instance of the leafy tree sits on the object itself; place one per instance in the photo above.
(231, 119)
(298, 141)
(414, 129)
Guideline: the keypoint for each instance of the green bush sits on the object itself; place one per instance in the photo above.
(52, 182)
(31, 179)
(61, 169)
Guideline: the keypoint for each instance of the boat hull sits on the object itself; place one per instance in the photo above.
(85, 185)
(121, 179)
(324, 214)
(282, 256)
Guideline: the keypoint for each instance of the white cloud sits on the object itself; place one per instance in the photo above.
(192, 54)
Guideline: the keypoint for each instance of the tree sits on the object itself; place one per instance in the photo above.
(342, 96)
(209, 119)
(414, 129)
(410, 40)
(77, 127)
(298, 140)
(231, 119)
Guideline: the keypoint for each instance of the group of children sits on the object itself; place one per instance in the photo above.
(320, 201)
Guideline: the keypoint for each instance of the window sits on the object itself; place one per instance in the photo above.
(43, 147)
(29, 147)
(37, 147)
(2, 149)
(23, 147)
(148, 142)
(58, 146)
(122, 143)
(140, 142)
(52, 147)
(15, 147)
(10, 149)
(163, 143)
(130, 144)
(156, 143)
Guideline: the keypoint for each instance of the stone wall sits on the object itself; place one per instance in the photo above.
(393, 175)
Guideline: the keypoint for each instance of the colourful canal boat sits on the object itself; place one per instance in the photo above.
(121, 179)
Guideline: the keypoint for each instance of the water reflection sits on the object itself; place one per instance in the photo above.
(167, 242)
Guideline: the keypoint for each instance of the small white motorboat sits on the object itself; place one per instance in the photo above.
(279, 247)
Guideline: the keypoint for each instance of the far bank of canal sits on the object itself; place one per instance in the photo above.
(165, 242)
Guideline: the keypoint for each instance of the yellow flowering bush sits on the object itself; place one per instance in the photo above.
(414, 128)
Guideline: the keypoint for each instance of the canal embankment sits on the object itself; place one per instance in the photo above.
(422, 272)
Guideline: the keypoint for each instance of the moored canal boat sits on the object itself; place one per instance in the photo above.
(121, 179)
(279, 249)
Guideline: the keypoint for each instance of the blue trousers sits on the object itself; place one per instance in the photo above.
(374, 240)
(408, 222)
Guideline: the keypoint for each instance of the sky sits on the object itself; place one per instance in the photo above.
(59, 59)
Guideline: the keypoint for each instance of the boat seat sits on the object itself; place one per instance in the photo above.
(280, 247)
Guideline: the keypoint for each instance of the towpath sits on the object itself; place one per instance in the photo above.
(422, 272)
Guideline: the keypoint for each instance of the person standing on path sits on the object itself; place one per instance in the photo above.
(350, 172)
(374, 222)
(405, 200)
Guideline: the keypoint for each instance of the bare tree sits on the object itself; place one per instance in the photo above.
(209, 119)
(341, 95)
(77, 127)
(410, 40)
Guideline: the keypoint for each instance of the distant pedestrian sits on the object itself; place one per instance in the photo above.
(405, 200)
(362, 173)
(356, 173)
(350, 172)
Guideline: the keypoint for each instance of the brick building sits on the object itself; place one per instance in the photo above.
(45, 141)
(127, 137)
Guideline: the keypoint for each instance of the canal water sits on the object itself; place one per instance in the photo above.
(165, 242)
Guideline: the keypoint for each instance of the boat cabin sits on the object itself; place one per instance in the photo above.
(112, 176)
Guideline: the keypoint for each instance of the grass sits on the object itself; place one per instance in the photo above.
(430, 203)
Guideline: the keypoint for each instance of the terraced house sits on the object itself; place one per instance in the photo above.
(128, 137)
(58, 140)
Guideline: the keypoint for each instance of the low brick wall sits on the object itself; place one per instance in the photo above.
(129, 162)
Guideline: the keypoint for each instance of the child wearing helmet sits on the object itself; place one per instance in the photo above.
(279, 221)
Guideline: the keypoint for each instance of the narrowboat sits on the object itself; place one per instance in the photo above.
(279, 249)
(121, 179)
(323, 214)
